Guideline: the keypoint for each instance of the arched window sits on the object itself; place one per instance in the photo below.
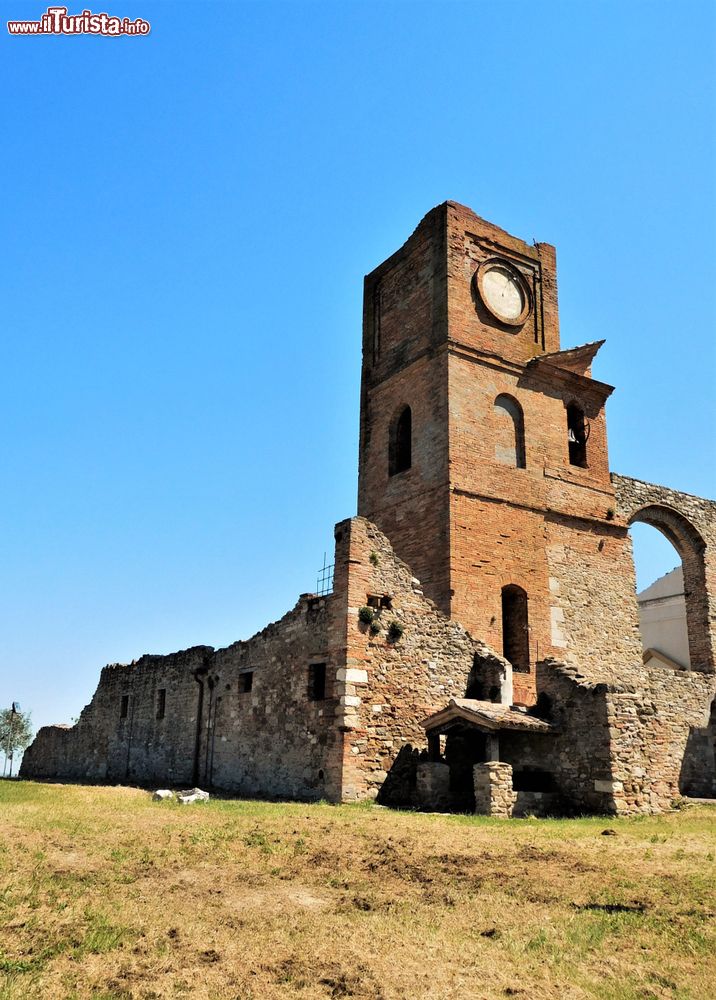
(577, 435)
(515, 628)
(400, 447)
(510, 432)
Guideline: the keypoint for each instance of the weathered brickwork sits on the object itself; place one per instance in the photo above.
(484, 524)
(490, 562)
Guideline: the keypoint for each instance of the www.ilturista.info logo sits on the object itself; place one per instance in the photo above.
(56, 21)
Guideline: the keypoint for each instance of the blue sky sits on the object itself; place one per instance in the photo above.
(188, 217)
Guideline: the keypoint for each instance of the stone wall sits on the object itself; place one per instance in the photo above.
(218, 729)
(579, 755)
(118, 737)
(594, 617)
(631, 745)
(654, 719)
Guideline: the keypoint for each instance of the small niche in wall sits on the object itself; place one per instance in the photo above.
(161, 702)
(124, 707)
(246, 681)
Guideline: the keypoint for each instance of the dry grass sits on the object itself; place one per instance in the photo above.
(105, 894)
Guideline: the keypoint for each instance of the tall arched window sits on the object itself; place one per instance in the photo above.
(400, 446)
(515, 628)
(510, 432)
(577, 435)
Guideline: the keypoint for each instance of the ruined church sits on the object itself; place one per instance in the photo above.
(479, 647)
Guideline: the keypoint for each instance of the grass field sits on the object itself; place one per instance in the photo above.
(106, 894)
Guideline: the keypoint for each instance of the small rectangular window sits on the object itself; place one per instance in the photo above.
(161, 702)
(317, 682)
(124, 707)
(246, 681)
(379, 601)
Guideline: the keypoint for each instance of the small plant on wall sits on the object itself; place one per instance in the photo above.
(395, 631)
(374, 558)
(366, 615)
(375, 627)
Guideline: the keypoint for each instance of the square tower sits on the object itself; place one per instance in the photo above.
(483, 452)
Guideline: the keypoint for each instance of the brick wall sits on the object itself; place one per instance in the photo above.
(485, 524)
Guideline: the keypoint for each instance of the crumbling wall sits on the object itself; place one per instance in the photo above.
(118, 736)
(579, 754)
(630, 745)
(210, 727)
(654, 717)
(271, 735)
(276, 739)
(392, 681)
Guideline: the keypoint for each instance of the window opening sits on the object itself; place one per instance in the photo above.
(401, 445)
(577, 435)
(246, 681)
(317, 682)
(515, 628)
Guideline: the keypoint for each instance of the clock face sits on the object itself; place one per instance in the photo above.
(504, 292)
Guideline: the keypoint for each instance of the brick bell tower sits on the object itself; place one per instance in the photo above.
(483, 451)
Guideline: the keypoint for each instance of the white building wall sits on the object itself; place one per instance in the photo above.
(662, 617)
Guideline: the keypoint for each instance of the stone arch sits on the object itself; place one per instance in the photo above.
(691, 547)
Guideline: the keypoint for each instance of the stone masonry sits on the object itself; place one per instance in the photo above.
(494, 795)
(490, 562)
